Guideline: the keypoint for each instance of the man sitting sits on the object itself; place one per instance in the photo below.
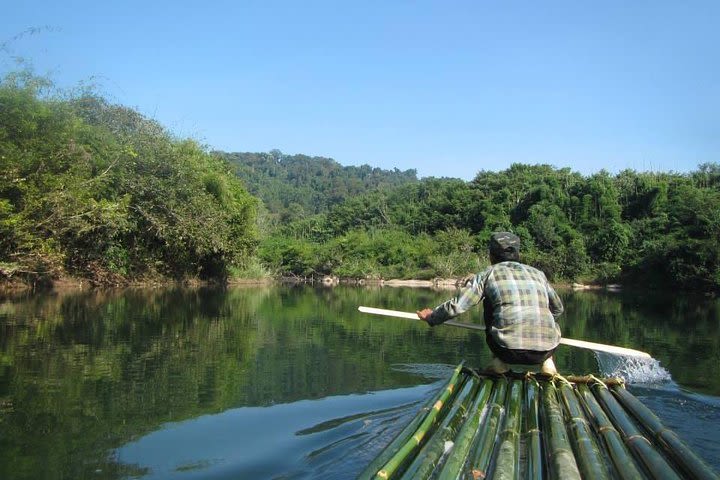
(519, 306)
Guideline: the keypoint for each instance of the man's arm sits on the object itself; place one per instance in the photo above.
(556, 305)
(466, 299)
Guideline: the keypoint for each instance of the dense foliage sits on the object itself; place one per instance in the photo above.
(293, 186)
(102, 192)
(657, 229)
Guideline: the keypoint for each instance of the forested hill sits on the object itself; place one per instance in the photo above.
(293, 186)
(99, 191)
(639, 228)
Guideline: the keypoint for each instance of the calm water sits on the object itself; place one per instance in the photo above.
(287, 383)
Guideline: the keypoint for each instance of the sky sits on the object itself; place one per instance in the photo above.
(448, 88)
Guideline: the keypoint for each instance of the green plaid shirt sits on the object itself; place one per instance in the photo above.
(520, 306)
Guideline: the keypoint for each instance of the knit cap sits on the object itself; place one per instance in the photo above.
(503, 243)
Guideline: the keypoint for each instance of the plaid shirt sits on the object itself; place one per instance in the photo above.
(520, 306)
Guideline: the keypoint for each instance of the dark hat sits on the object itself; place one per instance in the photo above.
(504, 243)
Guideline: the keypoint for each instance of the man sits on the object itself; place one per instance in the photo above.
(519, 305)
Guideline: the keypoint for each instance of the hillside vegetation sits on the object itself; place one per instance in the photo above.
(652, 229)
(648, 228)
(99, 191)
(294, 186)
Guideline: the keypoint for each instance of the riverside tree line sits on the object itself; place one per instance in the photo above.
(99, 191)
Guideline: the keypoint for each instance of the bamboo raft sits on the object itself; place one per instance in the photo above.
(535, 426)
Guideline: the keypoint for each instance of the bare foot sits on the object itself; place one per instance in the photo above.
(497, 366)
(548, 367)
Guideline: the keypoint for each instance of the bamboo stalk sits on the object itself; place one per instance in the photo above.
(399, 459)
(451, 468)
(639, 445)
(401, 438)
(481, 453)
(561, 461)
(587, 452)
(593, 379)
(508, 456)
(690, 464)
(431, 454)
(533, 435)
(620, 457)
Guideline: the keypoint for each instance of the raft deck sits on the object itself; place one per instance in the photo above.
(536, 426)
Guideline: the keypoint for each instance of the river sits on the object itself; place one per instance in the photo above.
(290, 382)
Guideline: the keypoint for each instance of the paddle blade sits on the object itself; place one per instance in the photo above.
(389, 313)
(599, 347)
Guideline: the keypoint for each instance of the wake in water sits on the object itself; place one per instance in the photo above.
(632, 369)
(432, 371)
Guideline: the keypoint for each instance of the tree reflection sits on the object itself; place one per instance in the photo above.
(82, 373)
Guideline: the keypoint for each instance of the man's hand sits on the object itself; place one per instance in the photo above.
(424, 314)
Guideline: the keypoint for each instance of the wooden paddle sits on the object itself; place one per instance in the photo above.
(599, 347)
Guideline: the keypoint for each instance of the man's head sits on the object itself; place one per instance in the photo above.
(504, 247)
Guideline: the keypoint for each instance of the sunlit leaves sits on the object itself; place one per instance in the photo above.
(98, 187)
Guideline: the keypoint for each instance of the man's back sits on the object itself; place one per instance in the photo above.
(520, 306)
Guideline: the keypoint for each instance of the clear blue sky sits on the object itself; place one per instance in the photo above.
(446, 87)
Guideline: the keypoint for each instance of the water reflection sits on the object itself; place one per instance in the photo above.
(87, 378)
(280, 441)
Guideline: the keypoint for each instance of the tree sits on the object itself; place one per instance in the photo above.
(101, 191)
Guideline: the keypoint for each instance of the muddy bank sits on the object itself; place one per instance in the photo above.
(330, 281)
(78, 283)
(67, 282)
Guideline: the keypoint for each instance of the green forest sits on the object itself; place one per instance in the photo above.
(99, 191)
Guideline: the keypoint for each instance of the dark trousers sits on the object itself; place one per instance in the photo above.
(524, 357)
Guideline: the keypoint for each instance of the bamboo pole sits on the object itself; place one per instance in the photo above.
(587, 452)
(561, 461)
(593, 379)
(656, 465)
(481, 453)
(431, 454)
(413, 444)
(599, 347)
(533, 435)
(620, 457)
(690, 464)
(401, 438)
(507, 460)
(452, 467)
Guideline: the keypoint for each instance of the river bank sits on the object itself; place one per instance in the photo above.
(331, 280)
(67, 282)
(79, 283)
